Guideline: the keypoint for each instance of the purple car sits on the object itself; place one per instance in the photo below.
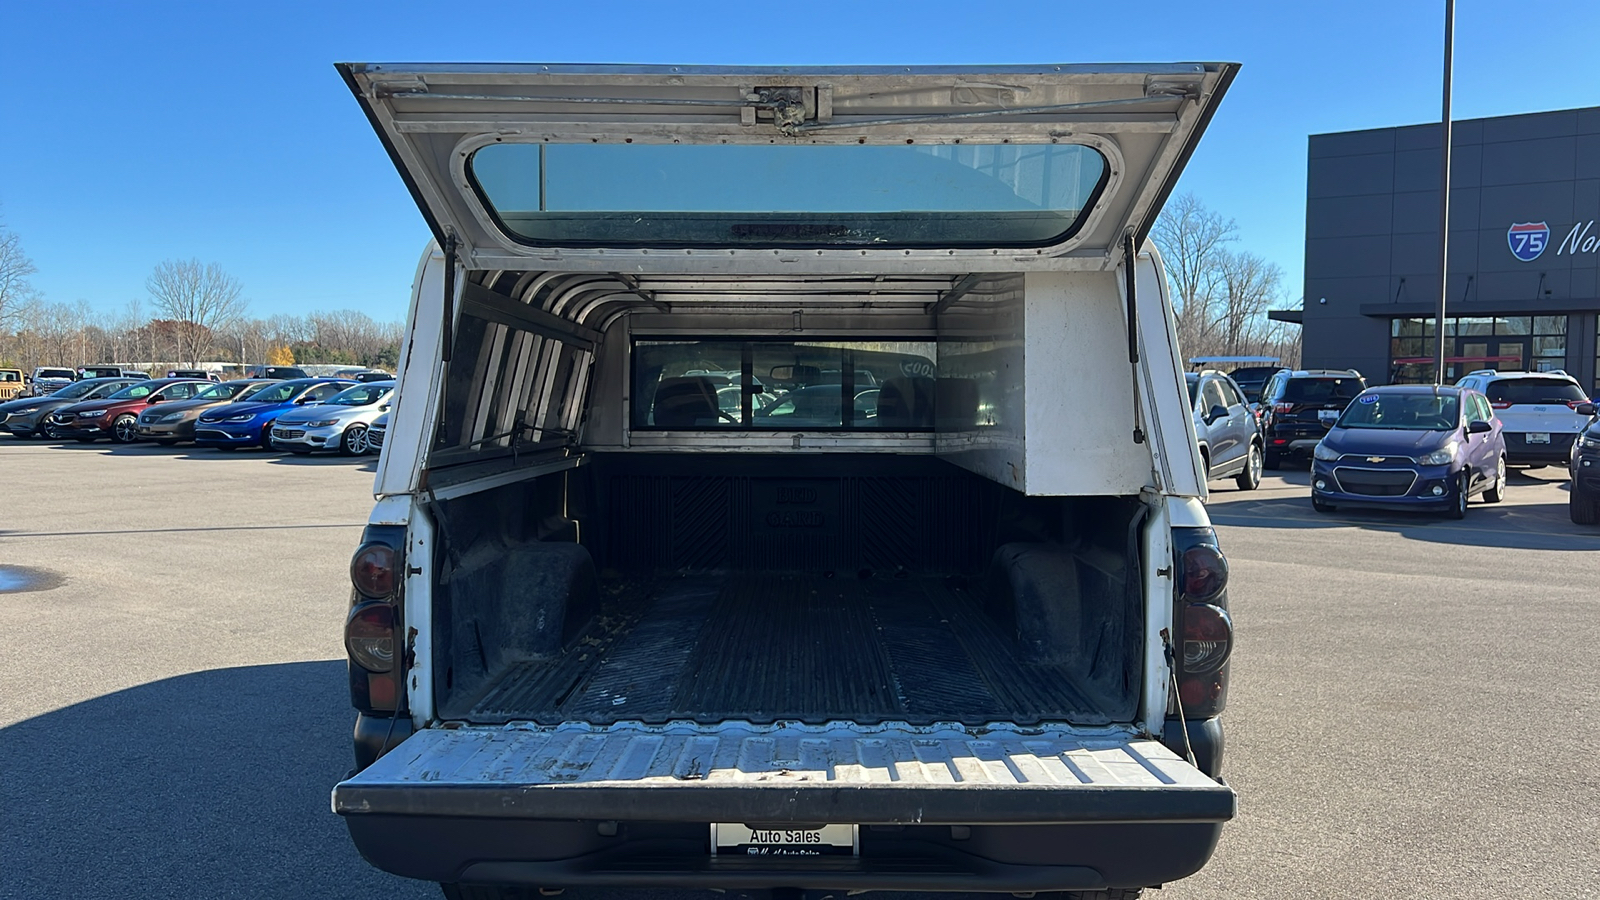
(1411, 447)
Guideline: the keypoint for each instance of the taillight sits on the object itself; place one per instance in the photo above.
(1203, 630)
(1205, 573)
(369, 636)
(1283, 407)
(1500, 404)
(1574, 404)
(369, 639)
(372, 570)
(1207, 638)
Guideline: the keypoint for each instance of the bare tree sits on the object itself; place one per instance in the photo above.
(200, 299)
(1193, 242)
(1251, 285)
(15, 290)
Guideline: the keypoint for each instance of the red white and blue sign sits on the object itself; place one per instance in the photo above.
(1528, 240)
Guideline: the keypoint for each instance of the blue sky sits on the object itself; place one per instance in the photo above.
(134, 133)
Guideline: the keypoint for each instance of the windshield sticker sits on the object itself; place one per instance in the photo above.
(1370, 398)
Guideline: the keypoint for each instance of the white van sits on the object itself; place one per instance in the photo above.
(791, 486)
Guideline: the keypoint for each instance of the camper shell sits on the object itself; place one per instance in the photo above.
(790, 485)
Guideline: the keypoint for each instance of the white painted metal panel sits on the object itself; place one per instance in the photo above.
(417, 380)
(1079, 388)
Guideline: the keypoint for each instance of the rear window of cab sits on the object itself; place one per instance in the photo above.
(800, 196)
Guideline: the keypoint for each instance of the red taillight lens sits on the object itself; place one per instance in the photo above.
(1205, 573)
(1574, 404)
(372, 570)
(1500, 404)
(1207, 638)
(1283, 407)
(369, 636)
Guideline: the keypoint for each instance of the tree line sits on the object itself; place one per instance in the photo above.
(1221, 294)
(197, 313)
(193, 313)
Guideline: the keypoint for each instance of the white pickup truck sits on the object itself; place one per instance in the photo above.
(791, 486)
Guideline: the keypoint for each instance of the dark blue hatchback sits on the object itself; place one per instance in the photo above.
(249, 423)
(1411, 447)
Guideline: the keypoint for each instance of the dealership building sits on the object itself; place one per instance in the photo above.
(1524, 243)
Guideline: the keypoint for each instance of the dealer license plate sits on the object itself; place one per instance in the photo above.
(802, 840)
(1537, 437)
(1327, 416)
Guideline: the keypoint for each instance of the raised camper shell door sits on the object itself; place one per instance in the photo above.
(668, 168)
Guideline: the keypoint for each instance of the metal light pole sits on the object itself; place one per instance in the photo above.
(1444, 194)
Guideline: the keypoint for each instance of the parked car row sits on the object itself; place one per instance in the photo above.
(299, 415)
(1401, 446)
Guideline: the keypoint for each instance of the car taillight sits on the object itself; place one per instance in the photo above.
(1574, 404)
(1207, 638)
(1205, 573)
(372, 570)
(369, 636)
(1203, 629)
(1283, 407)
(1500, 404)
(369, 639)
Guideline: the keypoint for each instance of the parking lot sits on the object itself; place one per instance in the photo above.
(1413, 709)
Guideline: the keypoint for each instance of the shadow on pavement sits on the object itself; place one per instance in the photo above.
(213, 784)
(1523, 526)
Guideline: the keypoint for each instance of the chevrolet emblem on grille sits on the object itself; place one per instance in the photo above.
(1376, 459)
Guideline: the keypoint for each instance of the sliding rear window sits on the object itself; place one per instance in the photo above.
(801, 196)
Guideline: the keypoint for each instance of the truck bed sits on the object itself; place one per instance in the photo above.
(767, 647)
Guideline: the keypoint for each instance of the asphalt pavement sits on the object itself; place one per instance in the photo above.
(1412, 712)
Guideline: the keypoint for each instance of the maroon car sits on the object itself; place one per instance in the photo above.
(117, 416)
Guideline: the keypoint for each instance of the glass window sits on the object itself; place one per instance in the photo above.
(131, 392)
(360, 395)
(1550, 325)
(1474, 327)
(810, 195)
(1534, 390)
(1513, 325)
(1317, 390)
(180, 391)
(322, 392)
(784, 385)
(1211, 396)
(1405, 411)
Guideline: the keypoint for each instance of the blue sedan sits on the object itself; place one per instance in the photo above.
(1411, 447)
(249, 423)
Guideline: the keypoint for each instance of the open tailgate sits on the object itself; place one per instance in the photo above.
(794, 774)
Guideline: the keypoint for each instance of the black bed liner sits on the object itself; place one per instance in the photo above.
(764, 647)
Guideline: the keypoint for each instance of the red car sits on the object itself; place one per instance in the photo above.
(117, 416)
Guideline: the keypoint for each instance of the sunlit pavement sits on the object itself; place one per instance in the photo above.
(1412, 711)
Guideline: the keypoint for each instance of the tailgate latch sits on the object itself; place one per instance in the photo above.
(788, 108)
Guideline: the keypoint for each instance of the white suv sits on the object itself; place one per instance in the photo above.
(1537, 410)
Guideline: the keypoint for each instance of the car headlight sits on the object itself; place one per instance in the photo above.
(25, 410)
(244, 418)
(1326, 453)
(1589, 442)
(92, 414)
(1439, 457)
(170, 417)
(321, 423)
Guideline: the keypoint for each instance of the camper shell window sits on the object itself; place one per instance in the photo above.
(812, 385)
(801, 196)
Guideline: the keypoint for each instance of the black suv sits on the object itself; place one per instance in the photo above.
(1298, 406)
(1583, 501)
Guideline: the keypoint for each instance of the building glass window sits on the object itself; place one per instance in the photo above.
(1503, 343)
